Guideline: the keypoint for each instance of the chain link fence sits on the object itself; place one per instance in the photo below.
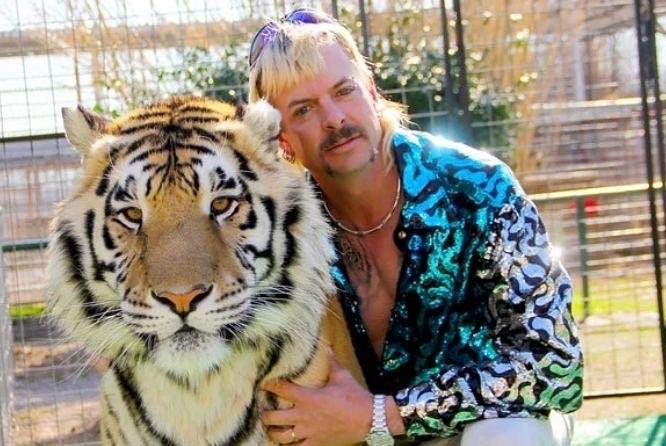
(550, 86)
(6, 358)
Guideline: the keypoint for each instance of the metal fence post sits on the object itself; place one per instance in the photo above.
(6, 356)
(334, 9)
(463, 88)
(649, 80)
(581, 223)
(365, 27)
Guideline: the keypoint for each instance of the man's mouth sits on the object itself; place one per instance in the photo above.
(342, 143)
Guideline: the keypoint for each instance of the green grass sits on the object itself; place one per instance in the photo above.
(639, 431)
(22, 311)
(615, 295)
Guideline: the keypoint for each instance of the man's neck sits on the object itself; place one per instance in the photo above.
(363, 199)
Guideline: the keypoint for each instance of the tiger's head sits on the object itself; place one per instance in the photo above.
(186, 235)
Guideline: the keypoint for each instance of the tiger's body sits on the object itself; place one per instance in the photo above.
(197, 260)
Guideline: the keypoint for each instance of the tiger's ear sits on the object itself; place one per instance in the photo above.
(264, 122)
(83, 127)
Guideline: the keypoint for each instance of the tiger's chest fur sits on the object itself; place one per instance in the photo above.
(143, 405)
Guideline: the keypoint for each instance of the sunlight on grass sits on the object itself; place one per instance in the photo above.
(21, 311)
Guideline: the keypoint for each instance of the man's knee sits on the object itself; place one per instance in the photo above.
(509, 432)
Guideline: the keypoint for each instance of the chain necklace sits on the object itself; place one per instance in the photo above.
(371, 230)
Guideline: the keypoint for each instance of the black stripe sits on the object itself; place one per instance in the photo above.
(108, 240)
(93, 310)
(196, 109)
(244, 430)
(250, 222)
(149, 340)
(181, 381)
(99, 267)
(141, 157)
(299, 371)
(244, 263)
(292, 217)
(136, 145)
(146, 126)
(106, 434)
(149, 114)
(149, 184)
(103, 184)
(251, 415)
(134, 403)
(195, 148)
(120, 194)
(200, 119)
(195, 180)
(206, 134)
(244, 166)
(230, 137)
(269, 206)
(229, 183)
(114, 416)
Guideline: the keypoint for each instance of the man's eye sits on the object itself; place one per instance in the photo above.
(301, 111)
(346, 90)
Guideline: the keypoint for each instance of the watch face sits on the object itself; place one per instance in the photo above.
(380, 438)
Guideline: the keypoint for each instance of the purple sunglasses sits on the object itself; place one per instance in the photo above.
(267, 33)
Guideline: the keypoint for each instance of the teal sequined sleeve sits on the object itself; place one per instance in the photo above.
(538, 361)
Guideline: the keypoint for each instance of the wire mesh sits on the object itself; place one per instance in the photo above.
(553, 89)
(6, 358)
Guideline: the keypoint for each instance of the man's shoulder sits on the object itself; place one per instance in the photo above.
(457, 167)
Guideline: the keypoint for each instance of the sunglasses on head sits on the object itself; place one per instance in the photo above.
(267, 33)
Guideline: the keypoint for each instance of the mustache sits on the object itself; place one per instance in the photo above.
(335, 137)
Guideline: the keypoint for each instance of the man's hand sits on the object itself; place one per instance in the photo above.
(340, 413)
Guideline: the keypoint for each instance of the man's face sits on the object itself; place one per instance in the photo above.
(329, 122)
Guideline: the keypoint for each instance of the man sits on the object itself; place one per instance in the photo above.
(459, 314)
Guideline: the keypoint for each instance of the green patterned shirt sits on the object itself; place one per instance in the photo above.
(482, 325)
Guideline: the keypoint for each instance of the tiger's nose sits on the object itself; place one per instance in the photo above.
(183, 303)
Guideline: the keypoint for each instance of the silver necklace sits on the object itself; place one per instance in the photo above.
(371, 230)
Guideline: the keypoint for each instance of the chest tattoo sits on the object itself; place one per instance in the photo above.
(356, 259)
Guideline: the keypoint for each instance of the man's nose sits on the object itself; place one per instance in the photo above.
(334, 117)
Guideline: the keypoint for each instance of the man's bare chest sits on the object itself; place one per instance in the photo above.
(373, 269)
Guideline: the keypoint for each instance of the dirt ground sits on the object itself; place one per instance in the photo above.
(55, 395)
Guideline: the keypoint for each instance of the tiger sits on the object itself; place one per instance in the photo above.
(197, 260)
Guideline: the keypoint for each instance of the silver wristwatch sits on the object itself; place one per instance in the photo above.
(379, 434)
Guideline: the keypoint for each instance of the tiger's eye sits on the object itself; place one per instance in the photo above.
(133, 214)
(220, 204)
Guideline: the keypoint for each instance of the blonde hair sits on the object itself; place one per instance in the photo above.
(294, 54)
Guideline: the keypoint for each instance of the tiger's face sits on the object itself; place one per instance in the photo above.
(186, 234)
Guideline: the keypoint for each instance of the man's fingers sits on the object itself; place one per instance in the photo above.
(285, 435)
(284, 417)
(285, 389)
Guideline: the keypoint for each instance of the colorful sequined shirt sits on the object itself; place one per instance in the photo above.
(481, 326)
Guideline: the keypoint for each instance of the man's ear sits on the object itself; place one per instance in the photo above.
(83, 127)
(285, 145)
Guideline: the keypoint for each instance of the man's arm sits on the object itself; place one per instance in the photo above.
(539, 366)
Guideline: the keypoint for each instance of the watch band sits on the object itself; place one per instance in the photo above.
(379, 412)
(379, 434)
